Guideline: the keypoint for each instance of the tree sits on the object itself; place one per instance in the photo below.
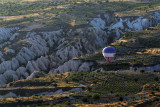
(96, 96)
(55, 85)
(142, 71)
(120, 98)
(84, 99)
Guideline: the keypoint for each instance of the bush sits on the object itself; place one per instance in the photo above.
(154, 71)
(98, 71)
(89, 88)
(142, 71)
(96, 96)
(33, 96)
(120, 98)
(4, 99)
(135, 69)
(156, 79)
(55, 85)
(67, 103)
(136, 79)
(51, 104)
(153, 93)
(84, 99)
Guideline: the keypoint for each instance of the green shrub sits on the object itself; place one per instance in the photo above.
(4, 99)
(51, 104)
(136, 79)
(96, 96)
(135, 69)
(142, 71)
(84, 99)
(120, 98)
(55, 85)
(153, 93)
(98, 71)
(156, 79)
(89, 88)
(67, 103)
(33, 96)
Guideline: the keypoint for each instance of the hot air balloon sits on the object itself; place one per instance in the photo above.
(109, 53)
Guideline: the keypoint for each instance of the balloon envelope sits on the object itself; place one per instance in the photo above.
(109, 53)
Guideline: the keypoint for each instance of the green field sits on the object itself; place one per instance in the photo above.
(67, 13)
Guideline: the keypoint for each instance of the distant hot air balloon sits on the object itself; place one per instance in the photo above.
(109, 53)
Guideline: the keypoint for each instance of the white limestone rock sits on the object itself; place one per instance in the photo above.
(118, 25)
(14, 36)
(30, 67)
(3, 80)
(22, 73)
(99, 23)
(9, 51)
(10, 76)
(35, 74)
(14, 63)
(6, 33)
(86, 66)
(9, 95)
(71, 65)
(43, 63)
(20, 58)
(147, 68)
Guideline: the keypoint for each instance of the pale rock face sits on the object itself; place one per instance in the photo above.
(3, 80)
(14, 36)
(9, 51)
(9, 95)
(30, 67)
(86, 66)
(10, 76)
(35, 74)
(147, 68)
(6, 33)
(1, 56)
(20, 58)
(28, 52)
(51, 93)
(40, 44)
(68, 53)
(156, 16)
(41, 64)
(137, 24)
(14, 63)
(52, 37)
(99, 37)
(6, 65)
(22, 73)
(73, 65)
(5, 44)
(109, 18)
(76, 89)
(118, 25)
(99, 23)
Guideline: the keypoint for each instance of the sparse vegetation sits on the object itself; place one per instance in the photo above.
(114, 83)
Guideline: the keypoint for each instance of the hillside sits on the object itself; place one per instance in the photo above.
(113, 85)
(51, 53)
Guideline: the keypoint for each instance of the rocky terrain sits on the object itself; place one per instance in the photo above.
(50, 53)
(46, 51)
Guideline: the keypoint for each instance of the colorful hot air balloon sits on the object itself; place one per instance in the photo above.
(109, 53)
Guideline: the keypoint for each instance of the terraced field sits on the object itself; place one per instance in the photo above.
(50, 53)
